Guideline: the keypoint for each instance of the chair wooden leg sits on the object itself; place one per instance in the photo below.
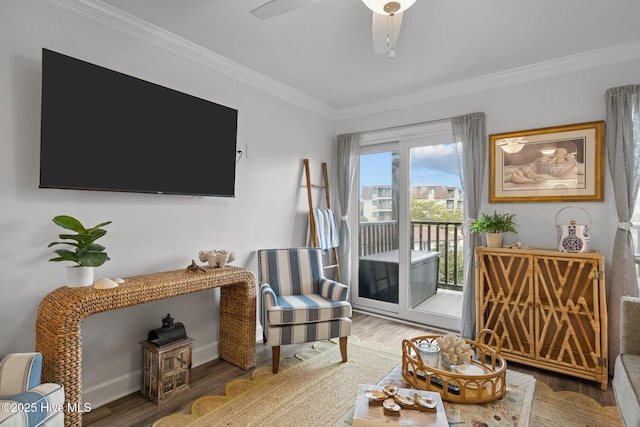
(343, 348)
(275, 354)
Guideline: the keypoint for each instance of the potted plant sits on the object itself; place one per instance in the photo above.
(494, 226)
(84, 251)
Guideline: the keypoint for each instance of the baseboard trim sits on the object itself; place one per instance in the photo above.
(124, 385)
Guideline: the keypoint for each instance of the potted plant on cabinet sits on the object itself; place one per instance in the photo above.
(84, 252)
(494, 226)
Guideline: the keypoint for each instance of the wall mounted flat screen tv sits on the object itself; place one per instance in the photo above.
(104, 130)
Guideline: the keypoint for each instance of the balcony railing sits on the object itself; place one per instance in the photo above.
(441, 236)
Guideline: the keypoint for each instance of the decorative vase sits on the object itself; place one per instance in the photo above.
(79, 276)
(448, 365)
(494, 240)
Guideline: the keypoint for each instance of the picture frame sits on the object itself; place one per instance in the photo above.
(552, 164)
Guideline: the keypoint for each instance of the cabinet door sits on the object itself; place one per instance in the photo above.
(505, 300)
(567, 292)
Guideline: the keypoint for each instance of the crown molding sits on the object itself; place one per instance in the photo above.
(622, 52)
(119, 20)
(131, 25)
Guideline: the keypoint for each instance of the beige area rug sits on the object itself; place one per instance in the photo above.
(318, 388)
(315, 389)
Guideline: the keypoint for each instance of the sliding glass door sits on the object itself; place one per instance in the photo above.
(435, 217)
(378, 228)
(408, 254)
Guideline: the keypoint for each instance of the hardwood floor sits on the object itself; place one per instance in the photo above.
(211, 378)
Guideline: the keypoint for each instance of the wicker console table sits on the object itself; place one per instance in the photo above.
(58, 335)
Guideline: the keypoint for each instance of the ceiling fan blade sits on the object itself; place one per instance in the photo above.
(380, 32)
(279, 7)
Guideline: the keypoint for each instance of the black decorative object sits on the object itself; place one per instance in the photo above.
(169, 332)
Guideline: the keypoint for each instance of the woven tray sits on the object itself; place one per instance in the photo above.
(482, 380)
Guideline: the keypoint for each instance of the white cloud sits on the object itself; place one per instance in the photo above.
(440, 158)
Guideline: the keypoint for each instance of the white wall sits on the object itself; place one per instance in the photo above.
(149, 233)
(573, 97)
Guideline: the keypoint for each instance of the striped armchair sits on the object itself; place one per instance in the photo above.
(24, 401)
(299, 304)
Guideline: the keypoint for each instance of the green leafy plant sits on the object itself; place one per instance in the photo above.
(495, 223)
(87, 253)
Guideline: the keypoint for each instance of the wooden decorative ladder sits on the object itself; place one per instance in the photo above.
(312, 221)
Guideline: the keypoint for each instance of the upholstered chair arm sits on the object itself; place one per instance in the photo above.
(269, 297)
(268, 300)
(333, 290)
(629, 321)
(19, 372)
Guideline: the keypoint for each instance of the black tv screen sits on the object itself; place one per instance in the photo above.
(104, 130)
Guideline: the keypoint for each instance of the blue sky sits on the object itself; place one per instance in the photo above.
(430, 165)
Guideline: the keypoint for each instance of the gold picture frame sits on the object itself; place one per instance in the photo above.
(552, 164)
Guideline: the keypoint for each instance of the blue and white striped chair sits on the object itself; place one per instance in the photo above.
(298, 303)
(23, 400)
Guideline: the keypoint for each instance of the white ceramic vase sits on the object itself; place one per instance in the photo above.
(79, 276)
(494, 240)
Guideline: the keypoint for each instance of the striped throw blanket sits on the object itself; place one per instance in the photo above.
(326, 229)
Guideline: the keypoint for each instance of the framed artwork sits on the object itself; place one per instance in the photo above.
(554, 164)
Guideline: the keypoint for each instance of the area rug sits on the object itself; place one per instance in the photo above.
(309, 390)
(315, 389)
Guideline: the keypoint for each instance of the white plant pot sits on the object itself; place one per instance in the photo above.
(494, 240)
(79, 276)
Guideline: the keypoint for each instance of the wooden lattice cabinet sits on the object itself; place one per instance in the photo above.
(547, 307)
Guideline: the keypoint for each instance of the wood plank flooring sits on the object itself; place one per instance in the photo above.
(211, 378)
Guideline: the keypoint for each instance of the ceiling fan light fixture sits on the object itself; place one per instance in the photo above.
(386, 7)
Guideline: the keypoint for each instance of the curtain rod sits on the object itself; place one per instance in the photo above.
(428, 122)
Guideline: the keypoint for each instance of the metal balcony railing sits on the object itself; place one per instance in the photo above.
(441, 236)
